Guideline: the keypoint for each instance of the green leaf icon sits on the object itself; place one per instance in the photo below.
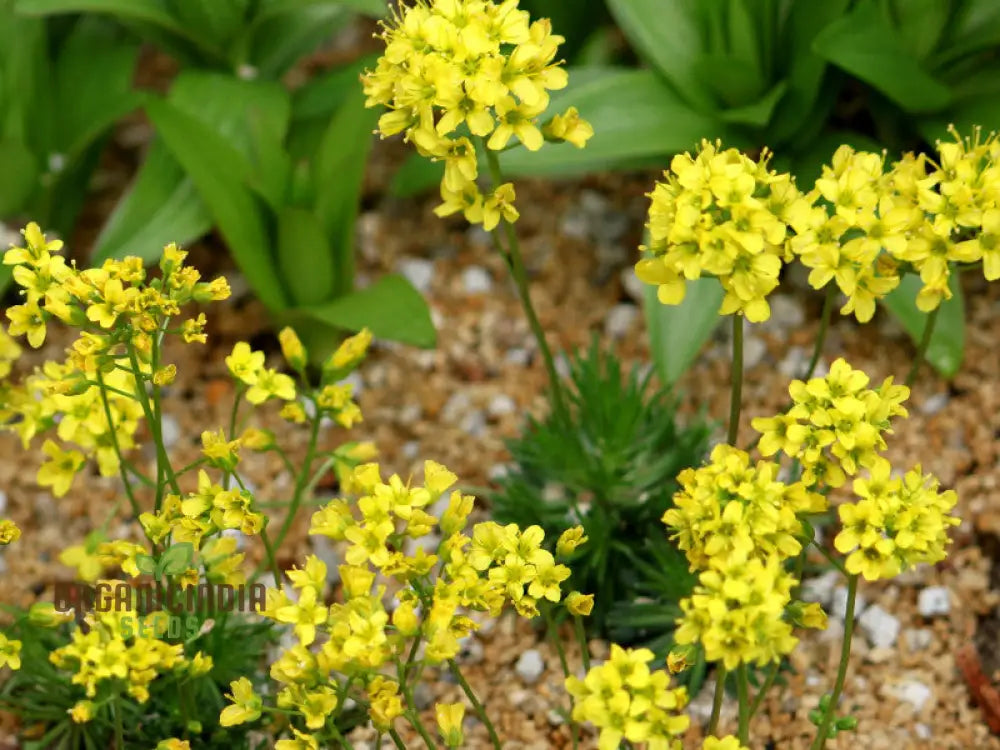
(145, 564)
(176, 559)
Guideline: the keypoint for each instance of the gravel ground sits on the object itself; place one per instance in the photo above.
(457, 404)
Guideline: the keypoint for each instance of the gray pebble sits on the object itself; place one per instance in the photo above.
(619, 320)
(934, 601)
(880, 628)
(418, 271)
(530, 666)
(476, 280)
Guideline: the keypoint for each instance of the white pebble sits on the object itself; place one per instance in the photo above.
(786, 312)
(838, 605)
(418, 271)
(530, 666)
(471, 650)
(500, 405)
(170, 429)
(518, 356)
(794, 363)
(456, 407)
(934, 601)
(476, 280)
(354, 380)
(880, 628)
(3, 502)
(498, 472)
(411, 449)
(474, 423)
(917, 639)
(923, 731)
(820, 589)
(754, 350)
(633, 287)
(619, 320)
(239, 536)
(934, 403)
(913, 692)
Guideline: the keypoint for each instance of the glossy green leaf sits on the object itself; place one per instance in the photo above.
(374, 8)
(976, 28)
(864, 44)
(338, 177)
(759, 113)
(219, 173)
(666, 34)
(391, 308)
(305, 257)
(20, 171)
(218, 22)
(947, 346)
(149, 11)
(920, 24)
(678, 332)
(323, 94)
(280, 41)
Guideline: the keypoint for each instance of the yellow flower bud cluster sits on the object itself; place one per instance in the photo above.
(434, 586)
(626, 700)
(722, 214)
(731, 506)
(861, 225)
(737, 611)
(836, 424)
(457, 73)
(106, 653)
(896, 523)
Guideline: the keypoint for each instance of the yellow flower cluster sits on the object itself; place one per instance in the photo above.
(103, 653)
(10, 652)
(721, 214)
(836, 424)
(730, 506)
(896, 523)
(433, 589)
(738, 611)
(626, 700)
(9, 532)
(95, 398)
(460, 75)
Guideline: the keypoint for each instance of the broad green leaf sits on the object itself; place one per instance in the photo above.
(678, 332)
(338, 176)
(162, 205)
(390, 307)
(146, 564)
(20, 171)
(920, 24)
(759, 113)
(324, 93)
(803, 69)
(305, 257)
(93, 84)
(947, 345)
(735, 82)
(219, 173)
(279, 42)
(976, 28)
(374, 8)
(218, 22)
(666, 34)
(864, 44)
(176, 558)
(149, 11)
(657, 123)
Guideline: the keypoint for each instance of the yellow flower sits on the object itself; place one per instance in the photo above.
(245, 364)
(246, 704)
(305, 614)
(729, 742)
(10, 652)
(317, 705)
(9, 532)
(579, 604)
(84, 558)
(569, 540)
(45, 615)
(301, 741)
(570, 127)
(270, 384)
(292, 349)
(350, 352)
(82, 712)
(449, 720)
(27, 320)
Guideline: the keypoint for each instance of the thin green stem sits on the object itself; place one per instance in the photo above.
(396, 739)
(119, 723)
(136, 510)
(830, 558)
(845, 654)
(476, 705)
(163, 467)
(414, 718)
(824, 325)
(344, 742)
(515, 261)
(720, 693)
(581, 637)
(743, 691)
(772, 675)
(736, 392)
(553, 633)
(925, 340)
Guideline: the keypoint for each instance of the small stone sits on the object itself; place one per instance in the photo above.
(323, 548)
(794, 363)
(474, 423)
(619, 320)
(498, 472)
(555, 718)
(418, 271)
(354, 380)
(423, 698)
(917, 639)
(476, 280)
(820, 589)
(880, 628)
(754, 350)
(530, 666)
(562, 365)
(170, 429)
(410, 449)
(3, 502)
(922, 730)
(934, 403)
(456, 407)
(633, 287)
(838, 604)
(500, 405)
(518, 356)
(934, 601)
(471, 651)
(786, 312)
(913, 692)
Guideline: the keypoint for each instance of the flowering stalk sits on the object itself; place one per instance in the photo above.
(736, 392)
(718, 696)
(823, 730)
(742, 688)
(925, 340)
(476, 705)
(824, 325)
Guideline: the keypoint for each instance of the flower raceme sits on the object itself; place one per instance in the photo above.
(461, 75)
(861, 225)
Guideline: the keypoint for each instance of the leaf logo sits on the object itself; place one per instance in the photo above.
(174, 561)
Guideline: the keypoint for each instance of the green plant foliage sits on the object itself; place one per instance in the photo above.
(265, 36)
(947, 345)
(62, 87)
(41, 693)
(678, 332)
(610, 465)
